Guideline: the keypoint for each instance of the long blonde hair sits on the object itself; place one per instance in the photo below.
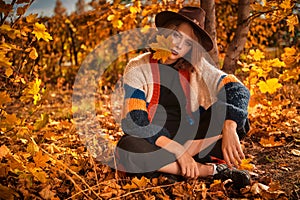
(193, 57)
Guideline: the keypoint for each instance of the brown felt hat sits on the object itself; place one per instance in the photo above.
(193, 15)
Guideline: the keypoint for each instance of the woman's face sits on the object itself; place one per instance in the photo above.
(182, 39)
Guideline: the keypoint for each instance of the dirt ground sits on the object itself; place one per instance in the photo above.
(275, 164)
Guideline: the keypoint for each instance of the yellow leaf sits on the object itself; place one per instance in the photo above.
(42, 122)
(32, 91)
(145, 29)
(134, 9)
(4, 61)
(110, 17)
(286, 4)
(270, 142)
(246, 165)
(31, 18)
(292, 21)
(271, 85)
(162, 48)
(4, 98)
(40, 32)
(33, 54)
(277, 63)
(257, 55)
(32, 148)
(9, 71)
(117, 23)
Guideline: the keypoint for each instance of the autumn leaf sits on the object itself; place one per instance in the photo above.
(31, 18)
(40, 123)
(4, 98)
(22, 10)
(286, 4)
(270, 86)
(32, 91)
(40, 160)
(246, 165)
(270, 142)
(116, 22)
(4, 61)
(137, 183)
(39, 174)
(40, 32)
(46, 193)
(162, 48)
(4, 151)
(292, 21)
(33, 54)
(7, 193)
(257, 55)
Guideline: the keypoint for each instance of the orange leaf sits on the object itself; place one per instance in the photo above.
(137, 183)
(246, 165)
(270, 142)
(40, 159)
(162, 48)
(33, 54)
(4, 151)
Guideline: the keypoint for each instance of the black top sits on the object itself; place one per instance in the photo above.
(172, 99)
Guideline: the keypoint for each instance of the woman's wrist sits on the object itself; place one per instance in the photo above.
(229, 126)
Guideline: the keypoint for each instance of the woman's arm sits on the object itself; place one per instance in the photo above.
(186, 162)
(234, 96)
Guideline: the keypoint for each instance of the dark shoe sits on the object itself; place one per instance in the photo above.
(240, 178)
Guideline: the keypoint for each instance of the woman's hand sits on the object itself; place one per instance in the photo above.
(185, 161)
(231, 148)
(188, 165)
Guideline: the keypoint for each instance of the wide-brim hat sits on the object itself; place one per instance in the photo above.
(194, 16)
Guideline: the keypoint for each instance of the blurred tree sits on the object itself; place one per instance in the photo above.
(59, 8)
(80, 6)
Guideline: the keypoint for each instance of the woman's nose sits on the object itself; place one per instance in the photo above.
(179, 43)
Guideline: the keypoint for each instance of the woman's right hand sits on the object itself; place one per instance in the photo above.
(186, 162)
(188, 165)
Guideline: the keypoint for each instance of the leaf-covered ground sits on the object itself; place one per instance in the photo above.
(48, 160)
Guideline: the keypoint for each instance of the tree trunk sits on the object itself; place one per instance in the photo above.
(237, 45)
(210, 26)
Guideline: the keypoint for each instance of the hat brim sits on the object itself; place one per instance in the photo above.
(163, 17)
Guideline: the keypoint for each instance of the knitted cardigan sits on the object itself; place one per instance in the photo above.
(203, 87)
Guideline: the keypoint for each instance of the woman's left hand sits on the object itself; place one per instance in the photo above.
(231, 148)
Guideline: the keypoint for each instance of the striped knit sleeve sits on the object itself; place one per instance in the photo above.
(136, 120)
(235, 96)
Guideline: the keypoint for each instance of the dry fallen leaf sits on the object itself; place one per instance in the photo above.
(270, 142)
(295, 152)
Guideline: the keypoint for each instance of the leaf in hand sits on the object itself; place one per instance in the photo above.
(162, 48)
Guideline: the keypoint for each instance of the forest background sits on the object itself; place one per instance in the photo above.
(41, 152)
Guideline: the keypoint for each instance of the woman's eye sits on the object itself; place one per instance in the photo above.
(188, 44)
(175, 34)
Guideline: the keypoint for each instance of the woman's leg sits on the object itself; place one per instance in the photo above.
(136, 155)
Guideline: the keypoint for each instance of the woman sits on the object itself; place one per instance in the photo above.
(181, 111)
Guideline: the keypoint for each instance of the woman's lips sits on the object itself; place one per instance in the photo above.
(174, 52)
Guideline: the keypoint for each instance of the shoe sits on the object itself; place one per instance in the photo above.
(240, 178)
